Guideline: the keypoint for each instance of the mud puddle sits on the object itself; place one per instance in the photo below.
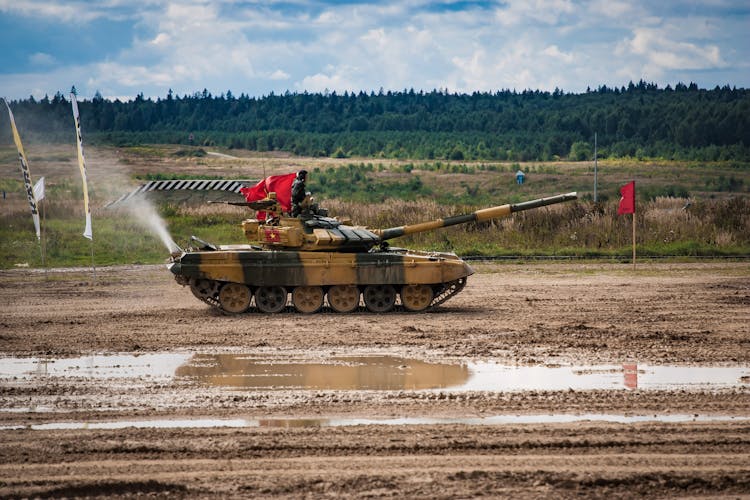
(100, 366)
(289, 423)
(370, 373)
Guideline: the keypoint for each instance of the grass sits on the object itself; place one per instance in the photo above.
(578, 229)
(494, 183)
(387, 193)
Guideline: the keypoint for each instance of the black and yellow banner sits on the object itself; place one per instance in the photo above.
(25, 170)
(87, 232)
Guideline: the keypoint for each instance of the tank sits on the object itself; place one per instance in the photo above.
(321, 261)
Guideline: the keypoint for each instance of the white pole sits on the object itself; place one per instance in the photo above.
(44, 238)
(93, 267)
(595, 169)
(634, 240)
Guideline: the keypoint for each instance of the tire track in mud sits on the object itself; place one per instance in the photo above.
(453, 460)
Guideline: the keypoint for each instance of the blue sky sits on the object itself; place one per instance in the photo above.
(121, 48)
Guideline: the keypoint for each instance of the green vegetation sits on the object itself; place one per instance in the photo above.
(638, 121)
(483, 184)
(403, 157)
(195, 152)
(352, 182)
(174, 177)
(118, 237)
(379, 195)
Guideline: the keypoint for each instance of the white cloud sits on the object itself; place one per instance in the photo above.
(550, 12)
(329, 17)
(279, 75)
(161, 39)
(554, 52)
(660, 49)
(320, 82)
(41, 59)
(193, 46)
(613, 9)
(74, 11)
(110, 74)
(52, 10)
(524, 63)
(376, 38)
(256, 47)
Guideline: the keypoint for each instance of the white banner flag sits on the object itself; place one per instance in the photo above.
(39, 189)
(25, 171)
(87, 232)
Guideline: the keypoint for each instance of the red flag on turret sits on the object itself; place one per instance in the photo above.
(279, 184)
(627, 199)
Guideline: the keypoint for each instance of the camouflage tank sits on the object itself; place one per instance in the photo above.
(319, 259)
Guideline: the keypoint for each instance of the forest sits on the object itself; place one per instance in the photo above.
(639, 120)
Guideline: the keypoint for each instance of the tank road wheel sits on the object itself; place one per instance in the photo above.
(380, 298)
(308, 299)
(343, 298)
(270, 299)
(204, 289)
(416, 297)
(234, 298)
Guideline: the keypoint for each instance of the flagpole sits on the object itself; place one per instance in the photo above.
(93, 267)
(595, 180)
(44, 238)
(627, 206)
(87, 232)
(633, 240)
(33, 204)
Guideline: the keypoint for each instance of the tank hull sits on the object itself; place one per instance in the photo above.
(207, 272)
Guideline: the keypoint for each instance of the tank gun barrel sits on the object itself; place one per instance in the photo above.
(255, 205)
(478, 216)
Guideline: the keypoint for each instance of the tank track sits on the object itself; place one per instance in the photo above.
(449, 290)
(208, 291)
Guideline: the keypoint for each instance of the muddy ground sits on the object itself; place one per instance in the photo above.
(519, 313)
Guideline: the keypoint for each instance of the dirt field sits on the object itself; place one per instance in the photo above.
(529, 314)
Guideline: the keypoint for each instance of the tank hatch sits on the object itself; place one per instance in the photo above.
(323, 223)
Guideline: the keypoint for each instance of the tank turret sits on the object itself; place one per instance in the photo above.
(314, 232)
(321, 260)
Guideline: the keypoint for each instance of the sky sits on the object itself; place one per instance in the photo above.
(121, 48)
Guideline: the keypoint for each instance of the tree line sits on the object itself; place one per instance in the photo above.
(637, 120)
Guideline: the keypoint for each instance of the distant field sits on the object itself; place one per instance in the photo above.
(381, 193)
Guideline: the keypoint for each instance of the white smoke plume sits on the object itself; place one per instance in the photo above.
(110, 181)
(146, 215)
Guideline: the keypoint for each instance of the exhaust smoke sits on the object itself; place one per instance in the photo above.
(145, 213)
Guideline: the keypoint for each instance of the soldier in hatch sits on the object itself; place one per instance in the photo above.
(298, 192)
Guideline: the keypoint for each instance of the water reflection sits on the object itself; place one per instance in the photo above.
(315, 371)
(340, 373)
(294, 423)
(630, 375)
(96, 366)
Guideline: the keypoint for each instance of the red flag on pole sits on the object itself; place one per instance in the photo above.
(627, 199)
(255, 193)
(627, 206)
(282, 186)
(279, 184)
